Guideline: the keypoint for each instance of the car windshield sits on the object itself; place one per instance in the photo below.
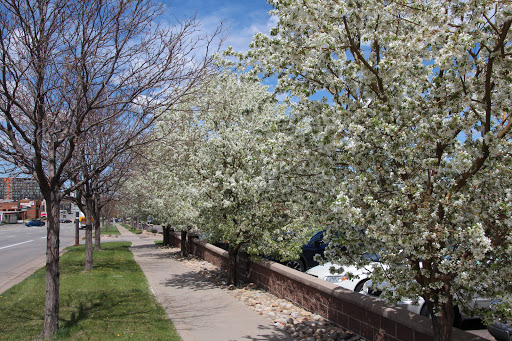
(372, 256)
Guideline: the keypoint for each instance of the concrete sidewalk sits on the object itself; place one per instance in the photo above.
(199, 309)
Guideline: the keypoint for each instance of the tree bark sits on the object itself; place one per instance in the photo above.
(51, 315)
(233, 264)
(165, 232)
(97, 223)
(88, 264)
(97, 234)
(442, 324)
(184, 252)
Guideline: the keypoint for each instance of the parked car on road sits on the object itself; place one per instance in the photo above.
(313, 247)
(35, 222)
(344, 280)
(65, 221)
(420, 308)
(306, 259)
(501, 331)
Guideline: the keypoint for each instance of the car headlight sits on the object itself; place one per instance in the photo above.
(334, 279)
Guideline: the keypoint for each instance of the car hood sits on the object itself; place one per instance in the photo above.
(324, 270)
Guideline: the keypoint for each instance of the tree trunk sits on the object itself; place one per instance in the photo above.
(88, 247)
(165, 233)
(442, 324)
(51, 314)
(97, 233)
(97, 222)
(88, 234)
(184, 243)
(232, 267)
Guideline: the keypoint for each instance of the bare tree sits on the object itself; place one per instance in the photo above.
(135, 204)
(61, 62)
(101, 168)
(107, 192)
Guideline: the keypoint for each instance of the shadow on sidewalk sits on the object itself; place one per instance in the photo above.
(156, 256)
(190, 280)
(143, 246)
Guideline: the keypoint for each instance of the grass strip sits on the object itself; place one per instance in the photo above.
(112, 229)
(111, 302)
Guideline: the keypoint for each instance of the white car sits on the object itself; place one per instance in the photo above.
(354, 284)
(362, 284)
(421, 308)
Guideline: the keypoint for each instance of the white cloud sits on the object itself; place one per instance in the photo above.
(241, 38)
(243, 22)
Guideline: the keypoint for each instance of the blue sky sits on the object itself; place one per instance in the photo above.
(245, 18)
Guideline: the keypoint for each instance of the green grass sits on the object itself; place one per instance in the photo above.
(113, 301)
(112, 229)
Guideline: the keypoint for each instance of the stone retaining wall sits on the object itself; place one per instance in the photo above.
(364, 315)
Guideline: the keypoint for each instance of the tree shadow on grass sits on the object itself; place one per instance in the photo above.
(104, 308)
(73, 260)
(22, 306)
(113, 265)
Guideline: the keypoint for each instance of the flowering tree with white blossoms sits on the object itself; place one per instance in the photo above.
(413, 134)
(214, 170)
(140, 195)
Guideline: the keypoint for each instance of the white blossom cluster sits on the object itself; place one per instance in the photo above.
(216, 170)
(394, 137)
(401, 121)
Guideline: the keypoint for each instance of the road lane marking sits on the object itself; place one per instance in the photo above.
(5, 247)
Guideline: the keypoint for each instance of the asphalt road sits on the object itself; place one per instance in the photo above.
(23, 250)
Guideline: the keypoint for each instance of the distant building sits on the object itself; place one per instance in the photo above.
(9, 212)
(16, 189)
(30, 209)
(12, 211)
